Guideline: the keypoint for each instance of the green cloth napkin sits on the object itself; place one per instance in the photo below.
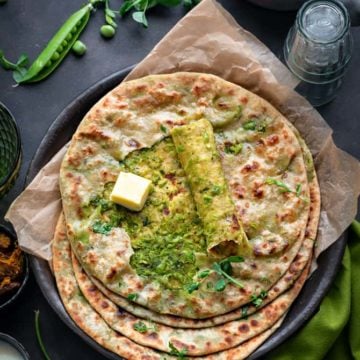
(334, 332)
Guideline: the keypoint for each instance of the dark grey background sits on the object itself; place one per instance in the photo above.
(26, 26)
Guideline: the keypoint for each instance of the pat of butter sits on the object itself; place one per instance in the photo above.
(130, 191)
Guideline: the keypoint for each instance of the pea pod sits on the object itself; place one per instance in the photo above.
(57, 48)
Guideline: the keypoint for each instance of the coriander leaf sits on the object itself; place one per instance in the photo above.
(192, 287)
(163, 128)
(204, 273)
(249, 125)
(298, 190)
(234, 149)
(132, 296)
(140, 327)
(263, 294)
(176, 352)
(257, 300)
(216, 190)
(139, 16)
(207, 199)
(226, 267)
(220, 285)
(101, 228)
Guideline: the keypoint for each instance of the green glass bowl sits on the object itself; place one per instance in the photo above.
(10, 150)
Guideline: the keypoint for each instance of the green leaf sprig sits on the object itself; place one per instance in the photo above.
(141, 327)
(223, 269)
(38, 335)
(257, 300)
(176, 352)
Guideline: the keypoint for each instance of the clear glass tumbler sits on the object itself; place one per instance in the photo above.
(318, 48)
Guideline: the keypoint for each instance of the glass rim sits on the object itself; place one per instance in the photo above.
(18, 146)
(337, 3)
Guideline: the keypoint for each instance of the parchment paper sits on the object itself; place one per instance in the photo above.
(209, 40)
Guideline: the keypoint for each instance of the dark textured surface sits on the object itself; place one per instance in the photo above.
(25, 26)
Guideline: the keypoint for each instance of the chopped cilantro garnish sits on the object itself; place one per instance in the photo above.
(216, 190)
(233, 148)
(180, 148)
(204, 273)
(220, 285)
(132, 296)
(140, 327)
(176, 352)
(163, 129)
(101, 228)
(207, 199)
(256, 124)
(192, 287)
(257, 300)
(298, 190)
(249, 125)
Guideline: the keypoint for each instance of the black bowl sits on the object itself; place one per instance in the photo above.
(15, 344)
(12, 295)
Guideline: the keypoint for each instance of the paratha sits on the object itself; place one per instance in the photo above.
(287, 280)
(266, 180)
(90, 322)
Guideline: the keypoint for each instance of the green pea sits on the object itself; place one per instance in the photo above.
(107, 31)
(64, 43)
(68, 37)
(48, 64)
(79, 48)
(60, 49)
(56, 56)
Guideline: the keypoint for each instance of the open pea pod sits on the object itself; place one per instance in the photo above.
(57, 48)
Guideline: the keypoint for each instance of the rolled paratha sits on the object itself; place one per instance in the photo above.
(158, 253)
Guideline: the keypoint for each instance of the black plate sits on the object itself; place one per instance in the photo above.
(60, 133)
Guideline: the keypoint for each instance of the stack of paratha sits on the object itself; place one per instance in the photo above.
(214, 260)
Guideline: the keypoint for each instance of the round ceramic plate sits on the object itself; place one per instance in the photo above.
(60, 133)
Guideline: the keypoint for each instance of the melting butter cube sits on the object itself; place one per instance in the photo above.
(130, 191)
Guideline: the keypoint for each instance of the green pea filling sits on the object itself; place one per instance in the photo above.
(167, 234)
